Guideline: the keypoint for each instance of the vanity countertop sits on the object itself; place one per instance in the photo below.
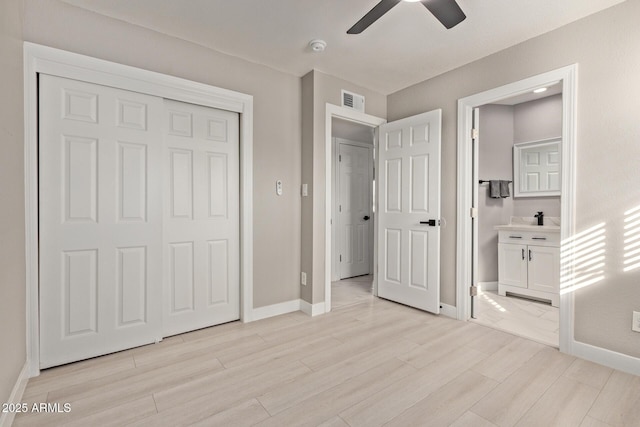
(518, 223)
(525, 227)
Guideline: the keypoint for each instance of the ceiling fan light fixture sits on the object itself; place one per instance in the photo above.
(318, 45)
(411, 1)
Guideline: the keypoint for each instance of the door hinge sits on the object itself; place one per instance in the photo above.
(340, 208)
(473, 291)
(474, 133)
(340, 258)
(339, 157)
(473, 212)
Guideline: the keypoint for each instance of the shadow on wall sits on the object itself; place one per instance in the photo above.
(582, 256)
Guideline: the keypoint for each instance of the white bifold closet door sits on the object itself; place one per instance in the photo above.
(120, 198)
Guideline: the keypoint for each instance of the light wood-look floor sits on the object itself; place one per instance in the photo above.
(368, 363)
(526, 318)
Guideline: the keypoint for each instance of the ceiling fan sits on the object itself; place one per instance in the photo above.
(446, 11)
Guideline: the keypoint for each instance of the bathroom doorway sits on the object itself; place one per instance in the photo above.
(512, 251)
(501, 248)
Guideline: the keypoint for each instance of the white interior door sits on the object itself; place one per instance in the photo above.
(201, 226)
(409, 211)
(100, 220)
(354, 209)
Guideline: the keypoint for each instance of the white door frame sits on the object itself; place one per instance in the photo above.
(46, 60)
(568, 76)
(336, 142)
(351, 115)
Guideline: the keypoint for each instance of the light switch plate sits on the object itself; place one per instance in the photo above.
(636, 321)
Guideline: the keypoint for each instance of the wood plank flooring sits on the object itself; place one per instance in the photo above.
(369, 362)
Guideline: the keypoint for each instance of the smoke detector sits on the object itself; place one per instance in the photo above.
(318, 45)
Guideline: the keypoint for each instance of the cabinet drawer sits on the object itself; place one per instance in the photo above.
(539, 238)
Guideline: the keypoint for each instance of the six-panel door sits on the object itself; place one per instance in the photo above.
(100, 219)
(354, 211)
(409, 197)
(201, 218)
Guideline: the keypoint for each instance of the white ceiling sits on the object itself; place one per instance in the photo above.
(406, 46)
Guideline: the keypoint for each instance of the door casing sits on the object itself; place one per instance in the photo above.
(42, 59)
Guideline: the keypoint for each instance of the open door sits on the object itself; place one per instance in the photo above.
(408, 223)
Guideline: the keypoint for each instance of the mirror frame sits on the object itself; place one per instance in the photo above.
(517, 168)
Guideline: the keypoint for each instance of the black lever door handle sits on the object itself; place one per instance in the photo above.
(430, 223)
(366, 218)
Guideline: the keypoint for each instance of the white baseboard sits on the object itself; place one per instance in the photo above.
(488, 286)
(6, 418)
(448, 310)
(275, 309)
(612, 359)
(312, 309)
(287, 307)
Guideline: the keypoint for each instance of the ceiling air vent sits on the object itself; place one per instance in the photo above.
(353, 100)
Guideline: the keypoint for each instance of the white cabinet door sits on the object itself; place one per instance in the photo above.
(544, 268)
(409, 196)
(512, 264)
(100, 220)
(201, 218)
(354, 210)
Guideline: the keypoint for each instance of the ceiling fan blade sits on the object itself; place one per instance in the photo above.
(446, 11)
(372, 16)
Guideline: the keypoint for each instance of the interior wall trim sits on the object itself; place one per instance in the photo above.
(40, 59)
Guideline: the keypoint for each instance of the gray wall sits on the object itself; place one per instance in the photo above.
(277, 99)
(325, 89)
(12, 248)
(500, 127)
(605, 45)
(494, 162)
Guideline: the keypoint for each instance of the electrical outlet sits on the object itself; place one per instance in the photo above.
(635, 326)
(303, 278)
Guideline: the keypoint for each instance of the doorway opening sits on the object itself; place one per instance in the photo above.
(353, 209)
(516, 144)
(507, 243)
(353, 132)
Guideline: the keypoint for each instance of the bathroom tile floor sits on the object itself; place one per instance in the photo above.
(351, 291)
(523, 317)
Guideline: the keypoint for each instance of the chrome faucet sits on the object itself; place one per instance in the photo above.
(540, 217)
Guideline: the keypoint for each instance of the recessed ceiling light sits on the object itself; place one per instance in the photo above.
(540, 90)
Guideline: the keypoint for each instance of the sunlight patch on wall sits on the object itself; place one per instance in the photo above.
(582, 259)
(631, 239)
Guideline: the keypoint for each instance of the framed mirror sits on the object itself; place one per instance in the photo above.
(536, 168)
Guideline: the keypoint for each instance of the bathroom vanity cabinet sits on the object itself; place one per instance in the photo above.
(529, 262)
